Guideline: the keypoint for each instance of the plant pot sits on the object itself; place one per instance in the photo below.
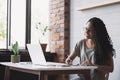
(43, 45)
(15, 58)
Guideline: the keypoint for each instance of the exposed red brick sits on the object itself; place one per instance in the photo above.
(60, 27)
(55, 36)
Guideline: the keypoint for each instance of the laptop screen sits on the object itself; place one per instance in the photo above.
(36, 54)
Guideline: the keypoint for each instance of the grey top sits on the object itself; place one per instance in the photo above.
(84, 53)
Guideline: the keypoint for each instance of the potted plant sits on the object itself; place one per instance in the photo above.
(15, 57)
(42, 30)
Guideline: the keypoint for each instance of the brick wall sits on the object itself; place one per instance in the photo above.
(60, 28)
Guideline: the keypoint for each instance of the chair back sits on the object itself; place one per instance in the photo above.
(106, 76)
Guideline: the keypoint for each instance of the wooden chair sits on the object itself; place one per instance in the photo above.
(106, 76)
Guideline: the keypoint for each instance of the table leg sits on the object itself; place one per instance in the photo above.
(87, 75)
(42, 76)
(7, 73)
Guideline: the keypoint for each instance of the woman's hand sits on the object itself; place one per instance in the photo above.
(86, 63)
(68, 61)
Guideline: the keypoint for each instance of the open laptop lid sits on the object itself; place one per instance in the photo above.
(36, 54)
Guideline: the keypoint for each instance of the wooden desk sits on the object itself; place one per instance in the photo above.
(43, 71)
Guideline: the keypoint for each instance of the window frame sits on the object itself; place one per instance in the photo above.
(27, 27)
(28, 23)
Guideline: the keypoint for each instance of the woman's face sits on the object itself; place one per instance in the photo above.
(89, 31)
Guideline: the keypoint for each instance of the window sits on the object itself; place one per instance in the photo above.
(18, 19)
(3, 23)
(18, 22)
(12, 23)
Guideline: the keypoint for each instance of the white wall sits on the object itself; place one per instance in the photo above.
(109, 14)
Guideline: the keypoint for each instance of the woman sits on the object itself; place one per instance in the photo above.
(95, 49)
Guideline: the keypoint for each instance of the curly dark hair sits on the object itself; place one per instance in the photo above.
(104, 47)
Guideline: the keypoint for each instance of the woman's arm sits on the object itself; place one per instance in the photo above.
(106, 68)
(70, 58)
(76, 52)
(103, 68)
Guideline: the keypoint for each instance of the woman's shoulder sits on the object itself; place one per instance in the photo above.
(80, 42)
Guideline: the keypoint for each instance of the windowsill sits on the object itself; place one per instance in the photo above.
(7, 51)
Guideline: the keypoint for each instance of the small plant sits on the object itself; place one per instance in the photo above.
(42, 34)
(15, 48)
(41, 28)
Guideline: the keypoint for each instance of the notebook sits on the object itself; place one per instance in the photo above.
(37, 56)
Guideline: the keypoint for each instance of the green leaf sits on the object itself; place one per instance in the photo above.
(15, 48)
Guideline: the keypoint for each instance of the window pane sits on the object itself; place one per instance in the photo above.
(39, 13)
(3, 25)
(18, 21)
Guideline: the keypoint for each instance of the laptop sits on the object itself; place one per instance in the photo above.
(38, 58)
